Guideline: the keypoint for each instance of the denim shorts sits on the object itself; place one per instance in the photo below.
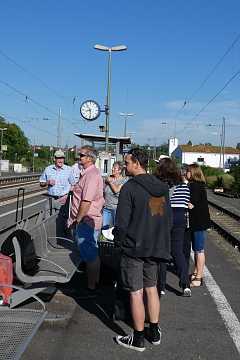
(108, 218)
(87, 241)
(198, 241)
(138, 273)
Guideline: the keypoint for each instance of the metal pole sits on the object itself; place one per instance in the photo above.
(223, 144)
(125, 126)
(34, 149)
(108, 101)
(1, 151)
(59, 128)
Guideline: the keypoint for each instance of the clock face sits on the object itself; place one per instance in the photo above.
(90, 110)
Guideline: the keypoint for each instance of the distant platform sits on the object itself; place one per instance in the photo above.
(101, 138)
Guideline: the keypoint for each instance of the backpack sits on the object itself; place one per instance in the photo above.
(28, 254)
(6, 278)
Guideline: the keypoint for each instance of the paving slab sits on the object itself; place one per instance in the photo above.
(192, 327)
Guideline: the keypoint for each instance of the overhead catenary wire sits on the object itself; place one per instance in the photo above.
(214, 68)
(32, 75)
(208, 76)
(213, 98)
(28, 98)
(4, 115)
(216, 95)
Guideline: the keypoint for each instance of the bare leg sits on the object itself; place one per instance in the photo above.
(137, 309)
(200, 264)
(153, 304)
(93, 273)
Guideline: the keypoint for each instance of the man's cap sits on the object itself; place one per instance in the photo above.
(59, 154)
(162, 157)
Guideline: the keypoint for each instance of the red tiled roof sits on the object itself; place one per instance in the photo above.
(208, 149)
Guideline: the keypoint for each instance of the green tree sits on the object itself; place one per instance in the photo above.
(15, 140)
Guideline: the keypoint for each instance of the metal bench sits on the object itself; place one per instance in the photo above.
(58, 260)
(17, 328)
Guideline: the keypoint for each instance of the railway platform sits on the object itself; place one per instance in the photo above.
(205, 326)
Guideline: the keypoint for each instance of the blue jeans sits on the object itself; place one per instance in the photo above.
(178, 245)
(198, 241)
(87, 241)
(108, 218)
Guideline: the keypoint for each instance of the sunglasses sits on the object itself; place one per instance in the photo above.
(82, 155)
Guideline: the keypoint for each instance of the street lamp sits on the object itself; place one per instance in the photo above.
(107, 106)
(1, 148)
(126, 115)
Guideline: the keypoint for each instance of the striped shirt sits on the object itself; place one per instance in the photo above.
(180, 197)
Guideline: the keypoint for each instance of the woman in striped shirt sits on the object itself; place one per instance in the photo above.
(179, 194)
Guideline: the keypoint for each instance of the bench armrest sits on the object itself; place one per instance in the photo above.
(60, 238)
(53, 263)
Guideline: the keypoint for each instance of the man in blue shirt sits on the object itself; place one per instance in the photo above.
(58, 178)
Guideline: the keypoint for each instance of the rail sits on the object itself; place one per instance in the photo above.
(5, 180)
(226, 222)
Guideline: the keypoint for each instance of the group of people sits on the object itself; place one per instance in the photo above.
(155, 218)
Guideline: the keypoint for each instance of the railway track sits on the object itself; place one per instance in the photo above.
(12, 186)
(226, 222)
(13, 198)
(18, 179)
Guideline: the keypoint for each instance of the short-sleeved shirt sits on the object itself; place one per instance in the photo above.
(89, 188)
(77, 169)
(111, 198)
(63, 177)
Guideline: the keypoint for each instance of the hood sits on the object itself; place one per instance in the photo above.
(152, 185)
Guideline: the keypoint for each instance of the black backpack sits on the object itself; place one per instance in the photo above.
(28, 254)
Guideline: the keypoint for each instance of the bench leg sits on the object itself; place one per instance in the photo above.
(19, 296)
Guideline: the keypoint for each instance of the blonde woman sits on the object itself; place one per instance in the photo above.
(199, 219)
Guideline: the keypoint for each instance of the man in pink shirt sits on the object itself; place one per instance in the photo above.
(86, 214)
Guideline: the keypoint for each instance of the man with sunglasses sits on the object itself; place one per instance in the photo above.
(142, 231)
(86, 215)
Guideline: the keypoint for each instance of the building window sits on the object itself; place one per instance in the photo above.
(200, 159)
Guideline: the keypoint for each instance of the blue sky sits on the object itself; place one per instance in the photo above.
(172, 46)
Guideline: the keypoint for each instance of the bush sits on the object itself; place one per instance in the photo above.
(226, 181)
(235, 172)
(211, 180)
(210, 171)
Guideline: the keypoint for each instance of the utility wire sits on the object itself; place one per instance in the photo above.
(28, 98)
(215, 67)
(214, 97)
(209, 74)
(4, 115)
(32, 74)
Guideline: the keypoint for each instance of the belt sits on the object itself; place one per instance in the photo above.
(56, 197)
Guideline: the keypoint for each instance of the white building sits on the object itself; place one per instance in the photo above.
(205, 155)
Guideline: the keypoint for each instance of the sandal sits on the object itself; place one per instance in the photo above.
(193, 276)
(196, 282)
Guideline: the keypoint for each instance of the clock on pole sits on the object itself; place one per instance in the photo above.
(90, 110)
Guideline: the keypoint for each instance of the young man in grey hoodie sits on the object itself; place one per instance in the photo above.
(142, 231)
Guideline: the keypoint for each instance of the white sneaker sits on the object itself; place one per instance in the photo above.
(187, 292)
(162, 292)
(107, 233)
